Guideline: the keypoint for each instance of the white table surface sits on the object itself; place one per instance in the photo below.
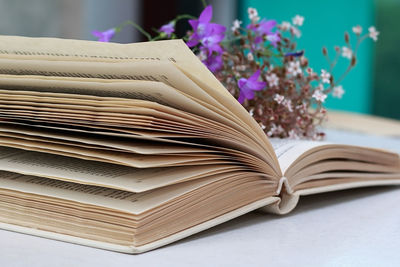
(358, 227)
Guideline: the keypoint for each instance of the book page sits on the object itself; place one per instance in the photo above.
(100, 173)
(135, 203)
(289, 150)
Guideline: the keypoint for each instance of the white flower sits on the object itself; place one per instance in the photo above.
(293, 135)
(347, 52)
(275, 130)
(250, 56)
(357, 29)
(288, 104)
(310, 71)
(298, 20)
(325, 76)
(373, 33)
(338, 91)
(253, 14)
(301, 108)
(236, 25)
(296, 32)
(294, 68)
(319, 95)
(251, 112)
(285, 25)
(241, 67)
(272, 79)
(202, 55)
(279, 98)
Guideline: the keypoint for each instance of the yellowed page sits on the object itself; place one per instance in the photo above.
(135, 203)
(131, 145)
(100, 173)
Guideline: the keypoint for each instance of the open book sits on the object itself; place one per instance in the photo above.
(131, 147)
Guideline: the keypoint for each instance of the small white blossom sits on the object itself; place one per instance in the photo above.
(250, 56)
(251, 112)
(357, 29)
(236, 25)
(296, 32)
(275, 130)
(298, 20)
(319, 95)
(202, 55)
(293, 135)
(288, 104)
(373, 33)
(279, 98)
(294, 68)
(272, 79)
(347, 52)
(310, 71)
(253, 15)
(301, 108)
(317, 137)
(325, 76)
(338, 91)
(241, 67)
(285, 25)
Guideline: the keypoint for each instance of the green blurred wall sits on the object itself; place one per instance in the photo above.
(324, 25)
(387, 67)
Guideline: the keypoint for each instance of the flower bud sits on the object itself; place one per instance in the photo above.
(353, 61)
(337, 49)
(347, 37)
(303, 62)
(324, 51)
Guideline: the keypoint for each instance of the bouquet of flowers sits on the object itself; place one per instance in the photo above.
(261, 66)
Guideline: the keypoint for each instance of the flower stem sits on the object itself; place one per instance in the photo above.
(204, 3)
(184, 16)
(136, 26)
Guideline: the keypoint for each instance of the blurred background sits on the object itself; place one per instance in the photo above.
(373, 87)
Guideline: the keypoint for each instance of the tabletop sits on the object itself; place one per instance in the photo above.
(359, 227)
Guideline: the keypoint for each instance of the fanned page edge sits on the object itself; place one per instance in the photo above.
(156, 244)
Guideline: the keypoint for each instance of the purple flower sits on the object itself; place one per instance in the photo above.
(213, 62)
(248, 86)
(209, 34)
(263, 27)
(168, 29)
(212, 43)
(274, 38)
(104, 36)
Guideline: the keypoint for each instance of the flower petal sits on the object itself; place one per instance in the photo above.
(194, 23)
(192, 42)
(217, 28)
(241, 97)
(206, 14)
(242, 83)
(249, 94)
(255, 76)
